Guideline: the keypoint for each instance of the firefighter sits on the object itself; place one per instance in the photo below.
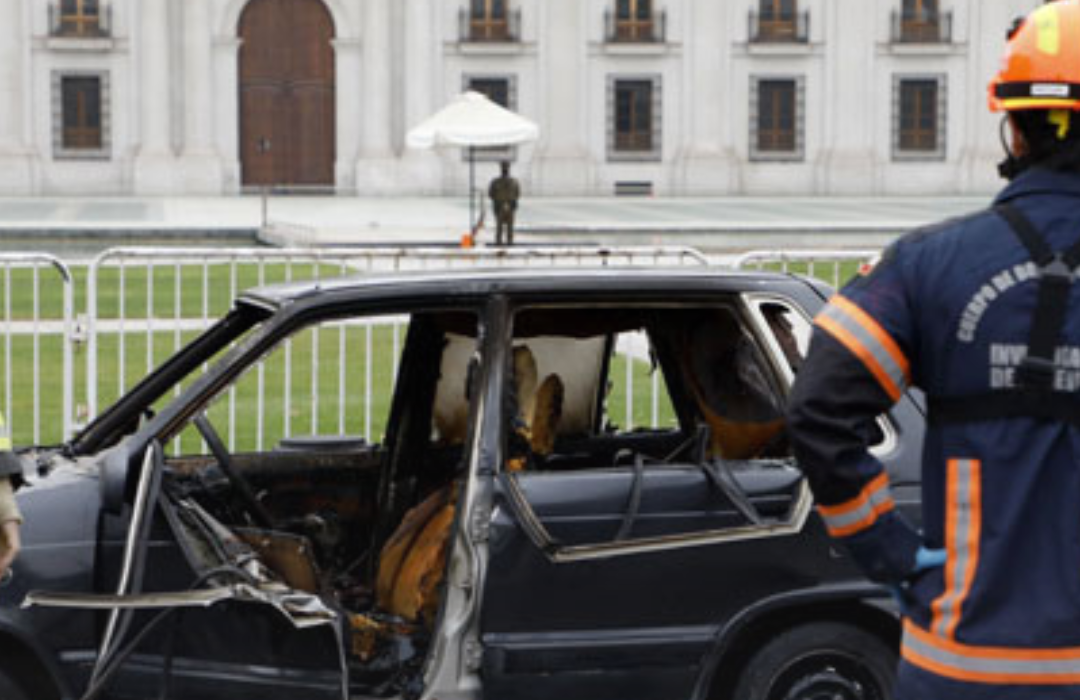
(983, 314)
(10, 517)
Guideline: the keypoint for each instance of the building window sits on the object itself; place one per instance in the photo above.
(634, 118)
(922, 22)
(779, 21)
(495, 89)
(919, 118)
(81, 116)
(776, 113)
(635, 21)
(490, 20)
(502, 90)
(81, 18)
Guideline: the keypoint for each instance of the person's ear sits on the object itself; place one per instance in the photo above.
(1016, 136)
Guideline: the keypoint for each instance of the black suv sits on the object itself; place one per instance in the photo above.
(571, 484)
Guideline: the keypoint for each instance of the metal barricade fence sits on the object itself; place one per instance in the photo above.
(37, 336)
(144, 304)
(832, 266)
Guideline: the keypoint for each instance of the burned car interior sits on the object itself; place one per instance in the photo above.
(363, 527)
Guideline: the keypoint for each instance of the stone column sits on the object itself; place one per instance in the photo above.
(200, 167)
(420, 168)
(561, 163)
(708, 164)
(16, 172)
(376, 167)
(349, 103)
(848, 161)
(226, 76)
(154, 164)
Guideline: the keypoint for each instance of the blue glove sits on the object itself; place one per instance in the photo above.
(925, 559)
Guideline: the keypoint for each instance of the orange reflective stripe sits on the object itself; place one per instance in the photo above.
(869, 342)
(874, 328)
(861, 512)
(979, 664)
(848, 340)
(963, 527)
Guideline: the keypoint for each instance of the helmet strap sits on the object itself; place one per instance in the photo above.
(1011, 166)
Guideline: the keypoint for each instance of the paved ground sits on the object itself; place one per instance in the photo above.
(713, 223)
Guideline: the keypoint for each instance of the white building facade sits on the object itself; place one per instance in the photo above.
(670, 97)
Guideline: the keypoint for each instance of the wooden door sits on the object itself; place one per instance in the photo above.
(286, 93)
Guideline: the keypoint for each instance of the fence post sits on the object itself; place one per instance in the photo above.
(36, 327)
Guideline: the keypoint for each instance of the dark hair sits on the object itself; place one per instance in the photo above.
(1045, 149)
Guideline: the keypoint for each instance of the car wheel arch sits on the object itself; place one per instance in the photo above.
(32, 669)
(739, 639)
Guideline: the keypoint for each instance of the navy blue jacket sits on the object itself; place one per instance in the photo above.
(949, 309)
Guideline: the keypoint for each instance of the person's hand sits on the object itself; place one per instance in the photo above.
(10, 543)
(929, 559)
(925, 559)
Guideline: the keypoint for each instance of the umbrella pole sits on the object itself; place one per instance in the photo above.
(472, 187)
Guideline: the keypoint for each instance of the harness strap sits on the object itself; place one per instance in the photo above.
(1034, 395)
(1029, 236)
(1006, 403)
(1036, 371)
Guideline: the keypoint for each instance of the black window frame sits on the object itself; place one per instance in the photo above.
(95, 142)
(768, 140)
(489, 20)
(635, 20)
(919, 129)
(635, 110)
(79, 18)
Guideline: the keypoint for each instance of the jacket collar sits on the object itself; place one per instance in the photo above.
(1040, 181)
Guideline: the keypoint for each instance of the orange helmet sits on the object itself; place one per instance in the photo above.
(1041, 67)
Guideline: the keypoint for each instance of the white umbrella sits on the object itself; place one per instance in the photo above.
(471, 120)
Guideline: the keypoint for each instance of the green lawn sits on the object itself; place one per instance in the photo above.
(324, 398)
(194, 292)
(836, 274)
(643, 396)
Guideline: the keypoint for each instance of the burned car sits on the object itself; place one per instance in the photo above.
(517, 524)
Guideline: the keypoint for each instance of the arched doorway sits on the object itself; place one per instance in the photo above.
(286, 93)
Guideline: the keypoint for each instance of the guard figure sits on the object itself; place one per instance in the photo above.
(504, 192)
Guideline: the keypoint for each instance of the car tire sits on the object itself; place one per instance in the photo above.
(820, 661)
(9, 688)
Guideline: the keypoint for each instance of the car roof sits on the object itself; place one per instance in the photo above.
(483, 281)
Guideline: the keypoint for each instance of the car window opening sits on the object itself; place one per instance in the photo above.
(363, 523)
(704, 453)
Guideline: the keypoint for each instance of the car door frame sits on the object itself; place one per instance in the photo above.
(678, 650)
(122, 465)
